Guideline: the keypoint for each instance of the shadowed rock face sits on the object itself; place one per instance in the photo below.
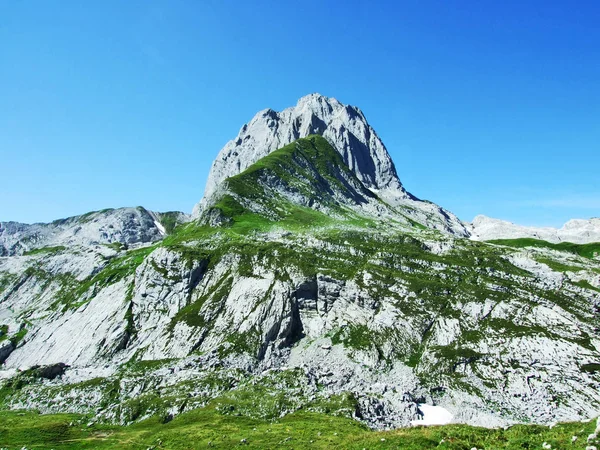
(6, 348)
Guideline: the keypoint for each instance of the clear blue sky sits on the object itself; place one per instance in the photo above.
(488, 107)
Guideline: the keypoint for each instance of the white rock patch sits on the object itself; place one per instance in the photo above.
(433, 415)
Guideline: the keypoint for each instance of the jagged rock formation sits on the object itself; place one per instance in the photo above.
(298, 286)
(578, 231)
(122, 225)
(345, 127)
(347, 130)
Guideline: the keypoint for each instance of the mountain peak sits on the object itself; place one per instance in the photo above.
(316, 98)
(345, 128)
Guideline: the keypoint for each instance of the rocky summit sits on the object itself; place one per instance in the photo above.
(348, 132)
(308, 279)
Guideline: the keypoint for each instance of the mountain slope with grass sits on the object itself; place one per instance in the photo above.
(305, 183)
(299, 289)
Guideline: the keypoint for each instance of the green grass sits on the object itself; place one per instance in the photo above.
(18, 336)
(207, 428)
(134, 367)
(559, 266)
(87, 216)
(45, 250)
(117, 246)
(6, 280)
(309, 167)
(190, 314)
(169, 220)
(586, 285)
(591, 367)
(586, 250)
(187, 233)
(358, 337)
(311, 159)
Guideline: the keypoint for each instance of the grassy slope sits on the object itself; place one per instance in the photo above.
(309, 161)
(585, 250)
(169, 220)
(44, 250)
(206, 428)
(309, 167)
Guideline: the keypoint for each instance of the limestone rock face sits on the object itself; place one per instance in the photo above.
(578, 231)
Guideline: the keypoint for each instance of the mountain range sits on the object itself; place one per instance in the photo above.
(307, 277)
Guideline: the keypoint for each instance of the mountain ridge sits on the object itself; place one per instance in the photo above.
(127, 226)
(314, 114)
(577, 231)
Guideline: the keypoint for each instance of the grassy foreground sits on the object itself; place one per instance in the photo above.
(206, 428)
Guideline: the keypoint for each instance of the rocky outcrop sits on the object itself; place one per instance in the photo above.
(124, 225)
(345, 127)
(6, 348)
